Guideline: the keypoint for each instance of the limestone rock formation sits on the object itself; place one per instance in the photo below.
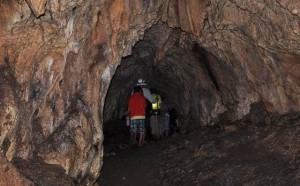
(37, 6)
(55, 71)
(212, 59)
(9, 174)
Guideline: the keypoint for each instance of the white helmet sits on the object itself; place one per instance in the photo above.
(141, 82)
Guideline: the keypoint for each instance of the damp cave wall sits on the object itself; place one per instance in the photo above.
(58, 60)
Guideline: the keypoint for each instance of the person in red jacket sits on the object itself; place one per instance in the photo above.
(137, 111)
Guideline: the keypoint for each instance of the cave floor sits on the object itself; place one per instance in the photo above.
(237, 154)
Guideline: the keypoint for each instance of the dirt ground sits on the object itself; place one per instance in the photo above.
(242, 153)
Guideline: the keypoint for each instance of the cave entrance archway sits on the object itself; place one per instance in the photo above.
(174, 66)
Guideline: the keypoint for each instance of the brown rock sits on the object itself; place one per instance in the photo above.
(211, 58)
(37, 6)
(9, 174)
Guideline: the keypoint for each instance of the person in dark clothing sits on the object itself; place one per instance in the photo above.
(173, 121)
(148, 115)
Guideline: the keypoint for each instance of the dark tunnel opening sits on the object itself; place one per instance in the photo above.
(142, 63)
(229, 69)
(174, 66)
(210, 97)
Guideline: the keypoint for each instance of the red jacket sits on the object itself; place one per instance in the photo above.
(137, 105)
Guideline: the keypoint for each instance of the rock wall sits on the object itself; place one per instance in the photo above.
(252, 49)
(219, 57)
(57, 59)
(10, 175)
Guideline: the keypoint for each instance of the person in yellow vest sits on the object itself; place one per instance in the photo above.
(155, 120)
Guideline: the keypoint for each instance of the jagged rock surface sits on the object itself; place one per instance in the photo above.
(55, 71)
(216, 58)
(10, 175)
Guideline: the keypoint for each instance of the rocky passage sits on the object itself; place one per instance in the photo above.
(241, 153)
(67, 67)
